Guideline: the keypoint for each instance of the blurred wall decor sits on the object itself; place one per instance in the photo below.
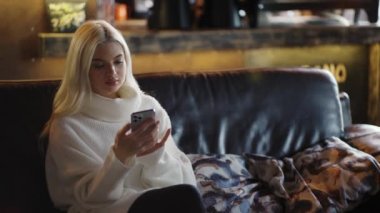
(66, 15)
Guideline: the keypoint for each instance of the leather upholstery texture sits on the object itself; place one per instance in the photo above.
(274, 112)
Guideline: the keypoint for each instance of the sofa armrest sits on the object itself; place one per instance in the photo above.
(346, 109)
(364, 137)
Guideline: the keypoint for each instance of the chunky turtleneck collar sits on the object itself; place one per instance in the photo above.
(112, 110)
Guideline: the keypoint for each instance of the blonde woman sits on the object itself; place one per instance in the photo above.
(94, 162)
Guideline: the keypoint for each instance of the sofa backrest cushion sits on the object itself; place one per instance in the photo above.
(25, 107)
(273, 112)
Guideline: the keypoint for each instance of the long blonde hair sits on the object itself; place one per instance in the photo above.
(75, 85)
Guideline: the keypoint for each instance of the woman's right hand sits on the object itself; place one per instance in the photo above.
(137, 142)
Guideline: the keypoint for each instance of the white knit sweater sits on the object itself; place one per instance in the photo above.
(83, 174)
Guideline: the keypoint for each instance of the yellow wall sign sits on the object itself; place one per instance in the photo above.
(338, 70)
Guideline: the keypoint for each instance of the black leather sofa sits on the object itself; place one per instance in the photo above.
(269, 112)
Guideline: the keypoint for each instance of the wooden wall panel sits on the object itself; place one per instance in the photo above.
(21, 21)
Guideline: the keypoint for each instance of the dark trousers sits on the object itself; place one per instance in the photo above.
(181, 198)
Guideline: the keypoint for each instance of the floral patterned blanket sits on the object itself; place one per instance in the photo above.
(329, 177)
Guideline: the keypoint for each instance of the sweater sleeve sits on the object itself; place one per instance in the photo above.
(165, 168)
(92, 183)
(167, 165)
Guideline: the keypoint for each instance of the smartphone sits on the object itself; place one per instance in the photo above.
(138, 117)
